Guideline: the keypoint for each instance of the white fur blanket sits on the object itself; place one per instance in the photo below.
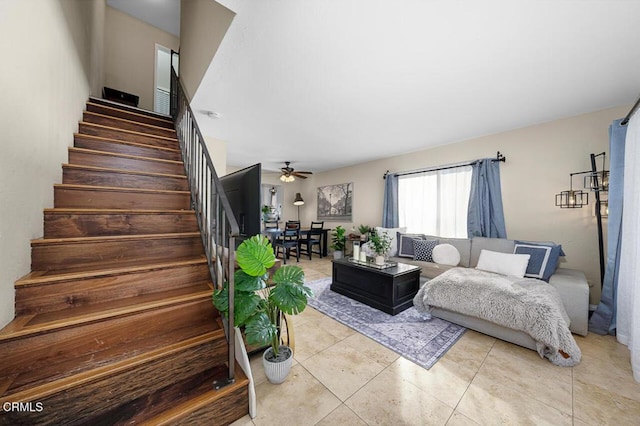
(524, 304)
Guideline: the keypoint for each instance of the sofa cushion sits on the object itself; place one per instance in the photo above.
(405, 244)
(462, 244)
(429, 269)
(478, 244)
(423, 249)
(446, 254)
(392, 233)
(544, 259)
(510, 264)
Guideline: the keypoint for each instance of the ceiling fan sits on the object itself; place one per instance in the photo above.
(289, 174)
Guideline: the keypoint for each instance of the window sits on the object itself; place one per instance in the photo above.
(435, 202)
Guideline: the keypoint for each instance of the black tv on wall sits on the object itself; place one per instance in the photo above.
(243, 192)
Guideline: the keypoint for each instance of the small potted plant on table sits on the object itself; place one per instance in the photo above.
(261, 308)
(338, 242)
(380, 244)
(364, 232)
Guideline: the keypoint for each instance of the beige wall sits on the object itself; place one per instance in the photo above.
(54, 49)
(203, 24)
(129, 54)
(539, 160)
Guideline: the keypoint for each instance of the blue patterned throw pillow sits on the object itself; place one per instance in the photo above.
(423, 249)
(544, 258)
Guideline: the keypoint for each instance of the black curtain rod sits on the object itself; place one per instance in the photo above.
(633, 109)
(499, 157)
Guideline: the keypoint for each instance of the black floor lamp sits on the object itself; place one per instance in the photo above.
(298, 202)
(598, 182)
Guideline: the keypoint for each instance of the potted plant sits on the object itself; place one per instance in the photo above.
(380, 243)
(267, 212)
(260, 309)
(338, 242)
(364, 232)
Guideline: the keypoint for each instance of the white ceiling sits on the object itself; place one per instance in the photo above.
(164, 14)
(329, 83)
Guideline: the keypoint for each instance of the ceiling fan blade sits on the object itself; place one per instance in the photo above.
(305, 173)
(296, 174)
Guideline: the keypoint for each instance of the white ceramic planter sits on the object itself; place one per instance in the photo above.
(337, 254)
(277, 372)
(379, 260)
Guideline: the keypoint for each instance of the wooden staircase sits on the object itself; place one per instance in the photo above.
(115, 325)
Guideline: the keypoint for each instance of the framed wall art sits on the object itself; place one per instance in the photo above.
(335, 202)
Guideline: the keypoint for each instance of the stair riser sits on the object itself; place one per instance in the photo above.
(115, 112)
(111, 133)
(112, 338)
(103, 199)
(125, 163)
(97, 255)
(90, 117)
(58, 225)
(226, 411)
(84, 141)
(122, 180)
(57, 296)
(78, 405)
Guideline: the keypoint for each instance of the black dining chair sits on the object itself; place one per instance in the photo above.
(292, 224)
(288, 240)
(271, 224)
(313, 237)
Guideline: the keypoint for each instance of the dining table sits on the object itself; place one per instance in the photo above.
(273, 233)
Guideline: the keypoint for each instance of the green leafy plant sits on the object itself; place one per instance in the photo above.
(338, 239)
(266, 209)
(364, 229)
(257, 307)
(380, 243)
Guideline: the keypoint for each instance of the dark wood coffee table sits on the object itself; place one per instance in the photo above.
(390, 290)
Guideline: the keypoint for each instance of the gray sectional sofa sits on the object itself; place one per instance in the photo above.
(571, 285)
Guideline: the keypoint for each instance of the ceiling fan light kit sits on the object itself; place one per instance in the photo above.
(289, 174)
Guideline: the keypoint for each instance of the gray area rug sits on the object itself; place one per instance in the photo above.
(418, 340)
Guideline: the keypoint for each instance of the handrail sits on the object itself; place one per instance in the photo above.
(218, 225)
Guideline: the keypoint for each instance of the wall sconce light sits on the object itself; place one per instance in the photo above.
(572, 199)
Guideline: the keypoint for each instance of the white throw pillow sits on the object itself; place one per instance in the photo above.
(393, 233)
(446, 254)
(503, 263)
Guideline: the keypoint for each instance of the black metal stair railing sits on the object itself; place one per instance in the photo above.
(218, 226)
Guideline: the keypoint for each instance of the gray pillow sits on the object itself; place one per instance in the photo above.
(405, 244)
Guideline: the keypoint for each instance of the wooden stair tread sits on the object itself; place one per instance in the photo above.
(123, 171)
(80, 240)
(121, 142)
(141, 111)
(125, 121)
(61, 210)
(130, 115)
(118, 155)
(46, 277)
(49, 321)
(130, 132)
(41, 391)
(117, 189)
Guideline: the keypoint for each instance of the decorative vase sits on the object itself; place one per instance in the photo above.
(379, 260)
(277, 369)
(337, 254)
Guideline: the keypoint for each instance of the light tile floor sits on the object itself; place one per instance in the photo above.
(341, 377)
